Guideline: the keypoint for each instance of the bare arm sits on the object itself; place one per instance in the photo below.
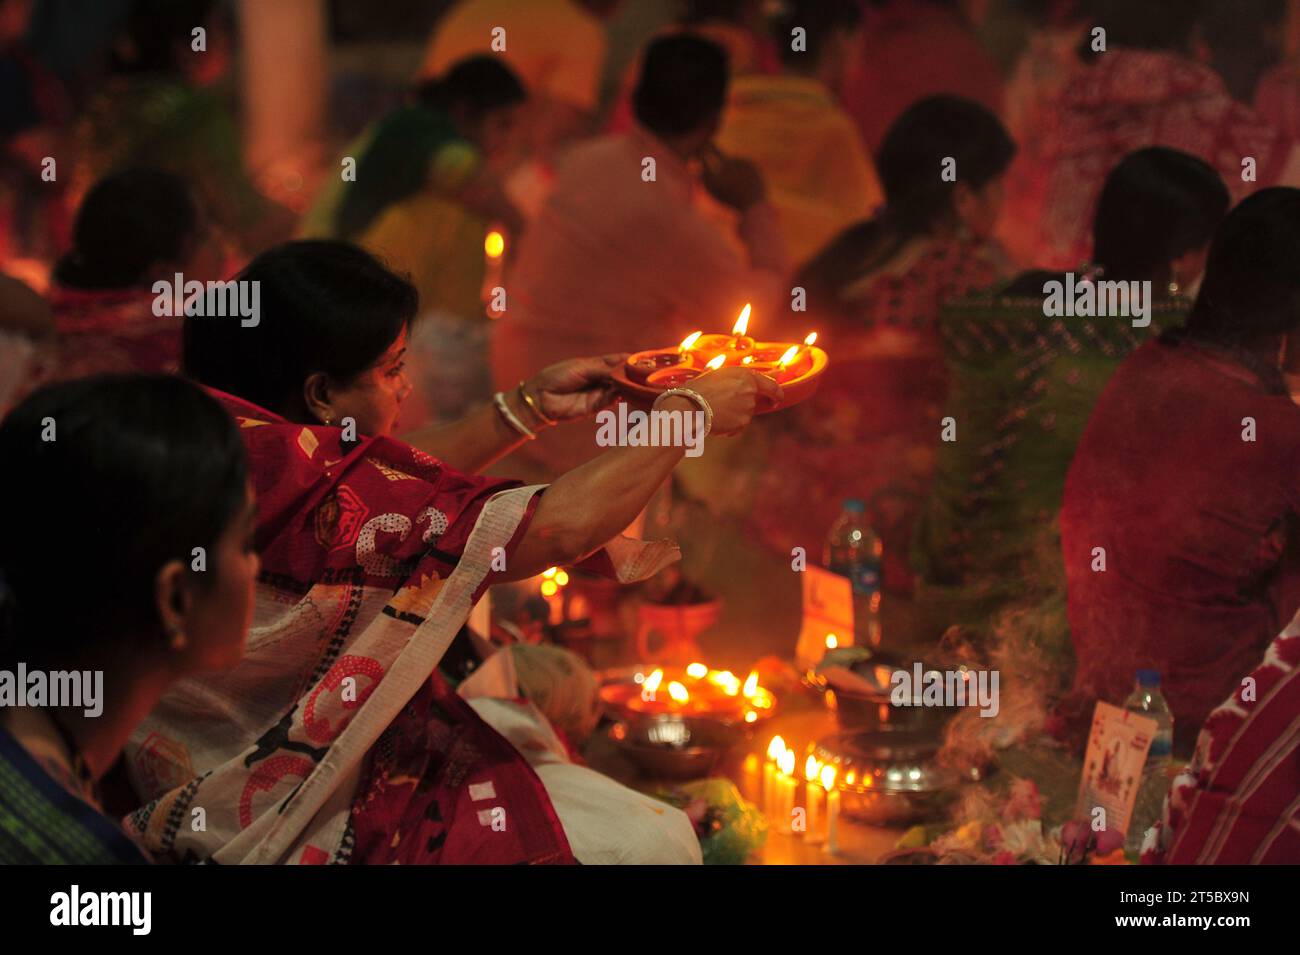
(586, 507)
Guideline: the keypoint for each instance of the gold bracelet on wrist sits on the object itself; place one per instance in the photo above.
(534, 406)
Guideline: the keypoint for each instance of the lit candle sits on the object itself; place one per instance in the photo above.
(688, 342)
(832, 808)
(813, 789)
(716, 362)
(774, 750)
(786, 786)
(494, 257)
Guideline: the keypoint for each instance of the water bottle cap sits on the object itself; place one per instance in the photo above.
(855, 505)
(1148, 677)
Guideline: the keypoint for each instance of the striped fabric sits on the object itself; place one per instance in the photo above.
(42, 823)
(1238, 801)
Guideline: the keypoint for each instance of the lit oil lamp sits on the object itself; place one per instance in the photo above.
(494, 258)
(693, 691)
(677, 376)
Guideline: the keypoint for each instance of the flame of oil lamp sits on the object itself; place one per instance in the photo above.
(677, 693)
(651, 684)
(688, 342)
(751, 716)
(739, 340)
(751, 685)
(716, 362)
(832, 641)
(697, 671)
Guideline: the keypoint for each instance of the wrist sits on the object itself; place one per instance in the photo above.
(528, 396)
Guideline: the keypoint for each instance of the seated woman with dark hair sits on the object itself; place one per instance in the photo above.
(160, 470)
(133, 229)
(874, 295)
(1180, 509)
(331, 741)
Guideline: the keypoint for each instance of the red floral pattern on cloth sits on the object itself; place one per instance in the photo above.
(334, 740)
(1239, 799)
(870, 431)
(100, 332)
(1124, 101)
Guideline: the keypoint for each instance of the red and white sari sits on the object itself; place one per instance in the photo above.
(335, 740)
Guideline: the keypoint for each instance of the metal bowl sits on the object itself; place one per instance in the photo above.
(675, 747)
(888, 778)
(874, 710)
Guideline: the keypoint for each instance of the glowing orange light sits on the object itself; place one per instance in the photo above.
(678, 692)
(549, 588)
(561, 577)
(689, 341)
(697, 671)
(751, 716)
(785, 762)
(747, 360)
(715, 363)
(751, 684)
(775, 748)
(788, 357)
(811, 769)
(742, 323)
(832, 641)
(494, 244)
(549, 572)
(652, 681)
(811, 339)
(828, 776)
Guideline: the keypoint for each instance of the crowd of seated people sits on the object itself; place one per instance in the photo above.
(911, 184)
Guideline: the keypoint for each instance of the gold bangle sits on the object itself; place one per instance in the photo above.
(533, 406)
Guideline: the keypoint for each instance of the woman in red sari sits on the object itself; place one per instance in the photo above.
(335, 740)
(1182, 506)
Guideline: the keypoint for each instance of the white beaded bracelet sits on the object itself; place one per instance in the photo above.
(499, 399)
(692, 396)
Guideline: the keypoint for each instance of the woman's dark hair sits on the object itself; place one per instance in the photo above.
(108, 479)
(1157, 204)
(155, 30)
(917, 197)
(325, 306)
(820, 19)
(683, 84)
(1145, 25)
(1251, 290)
(129, 223)
(396, 163)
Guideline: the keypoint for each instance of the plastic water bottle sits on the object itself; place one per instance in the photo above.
(1147, 700)
(853, 550)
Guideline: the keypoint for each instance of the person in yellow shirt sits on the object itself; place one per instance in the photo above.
(811, 155)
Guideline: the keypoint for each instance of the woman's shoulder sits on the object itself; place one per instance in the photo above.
(43, 823)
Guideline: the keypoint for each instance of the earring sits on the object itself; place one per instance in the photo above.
(178, 640)
(328, 419)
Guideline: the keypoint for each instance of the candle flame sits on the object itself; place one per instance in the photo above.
(775, 748)
(751, 684)
(832, 641)
(828, 776)
(678, 692)
(549, 572)
(494, 244)
(689, 341)
(697, 671)
(786, 762)
(742, 323)
(747, 360)
(811, 339)
(716, 363)
(652, 681)
(811, 769)
(788, 356)
(751, 716)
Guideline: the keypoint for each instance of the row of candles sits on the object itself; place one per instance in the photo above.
(780, 789)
